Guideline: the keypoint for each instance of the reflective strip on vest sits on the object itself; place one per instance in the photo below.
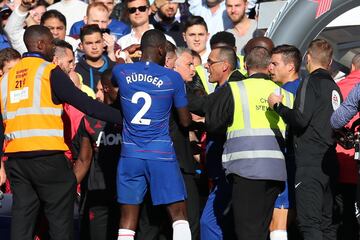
(251, 142)
(244, 104)
(288, 100)
(34, 133)
(204, 77)
(254, 132)
(242, 69)
(254, 154)
(34, 110)
(4, 88)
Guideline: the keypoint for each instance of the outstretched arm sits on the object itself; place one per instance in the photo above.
(347, 110)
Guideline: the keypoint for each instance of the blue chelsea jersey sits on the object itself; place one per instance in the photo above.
(147, 93)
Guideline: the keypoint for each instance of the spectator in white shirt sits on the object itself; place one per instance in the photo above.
(213, 12)
(54, 20)
(139, 13)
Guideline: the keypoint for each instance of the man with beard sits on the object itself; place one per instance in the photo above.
(243, 27)
(213, 11)
(164, 20)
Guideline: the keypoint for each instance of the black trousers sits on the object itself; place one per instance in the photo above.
(154, 222)
(314, 192)
(345, 212)
(47, 180)
(253, 204)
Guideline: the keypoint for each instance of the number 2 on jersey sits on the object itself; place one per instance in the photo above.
(138, 117)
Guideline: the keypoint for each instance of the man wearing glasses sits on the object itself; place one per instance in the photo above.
(252, 156)
(139, 13)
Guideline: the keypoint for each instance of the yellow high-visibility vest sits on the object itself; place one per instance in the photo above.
(204, 77)
(242, 69)
(256, 138)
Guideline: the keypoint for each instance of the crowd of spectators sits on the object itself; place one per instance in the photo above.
(213, 45)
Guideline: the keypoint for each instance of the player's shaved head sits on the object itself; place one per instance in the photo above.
(38, 38)
(153, 38)
(264, 42)
(153, 46)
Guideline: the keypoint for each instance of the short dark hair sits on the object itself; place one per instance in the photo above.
(264, 42)
(62, 44)
(7, 55)
(289, 54)
(170, 47)
(35, 33)
(40, 3)
(127, 1)
(195, 54)
(195, 20)
(229, 55)
(223, 37)
(53, 14)
(105, 78)
(88, 30)
(258, 58)
(153, 38)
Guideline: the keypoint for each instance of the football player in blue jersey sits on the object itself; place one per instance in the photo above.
(147, 93)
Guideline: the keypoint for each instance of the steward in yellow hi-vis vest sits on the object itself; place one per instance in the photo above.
(32, 122)
(255, 139)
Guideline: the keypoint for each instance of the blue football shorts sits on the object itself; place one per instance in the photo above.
(163, 178)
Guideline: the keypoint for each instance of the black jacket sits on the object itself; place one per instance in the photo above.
(90, 74)
(174, 30)
(314, 141)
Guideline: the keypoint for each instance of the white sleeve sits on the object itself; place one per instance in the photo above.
(195, 7)
(15, 30)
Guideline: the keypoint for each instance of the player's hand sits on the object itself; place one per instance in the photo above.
(122, 57)
(273, 99)
(197, 118)
(132, 49)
